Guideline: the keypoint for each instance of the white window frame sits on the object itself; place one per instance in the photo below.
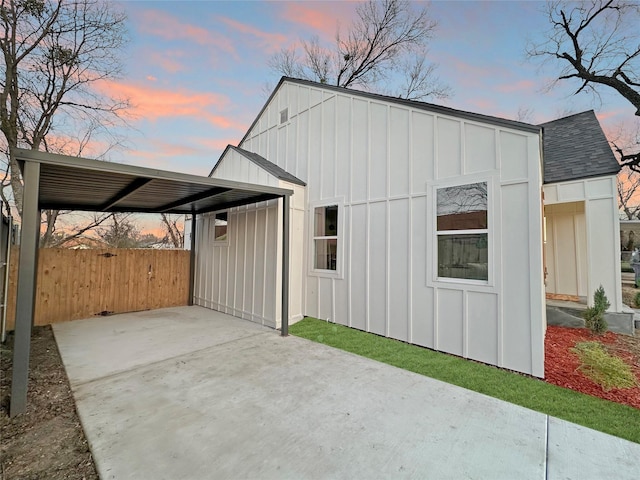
(226, 239)
(337, 273)
(490, 231)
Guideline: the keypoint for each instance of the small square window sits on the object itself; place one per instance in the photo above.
(284, 116)
(220, 227)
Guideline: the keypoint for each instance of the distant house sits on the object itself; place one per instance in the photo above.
(414, 221)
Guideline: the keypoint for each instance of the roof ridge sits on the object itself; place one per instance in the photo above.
(569, 116)
(267, 165)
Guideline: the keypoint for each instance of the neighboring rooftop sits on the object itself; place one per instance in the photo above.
(575, 147)
(263, 163)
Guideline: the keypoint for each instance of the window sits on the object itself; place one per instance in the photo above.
(284, 116)
(462, 232)
(325, 237)
(220, 227)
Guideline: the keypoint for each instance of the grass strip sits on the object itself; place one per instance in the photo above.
(609, 417)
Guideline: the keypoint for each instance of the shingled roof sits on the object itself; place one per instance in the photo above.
(575, 147)
(263, 163)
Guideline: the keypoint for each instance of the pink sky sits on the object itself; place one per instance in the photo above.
(196, 70)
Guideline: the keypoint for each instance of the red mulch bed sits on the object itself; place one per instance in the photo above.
(561, 365)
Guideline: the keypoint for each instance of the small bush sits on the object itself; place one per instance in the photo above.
(594, 316)
(606, 370)
(626, 267)
(636, 300)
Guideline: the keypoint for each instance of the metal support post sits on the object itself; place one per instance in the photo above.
(25, 298)
(192, 260)
(286, 200)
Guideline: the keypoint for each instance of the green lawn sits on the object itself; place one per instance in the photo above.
(613, 418)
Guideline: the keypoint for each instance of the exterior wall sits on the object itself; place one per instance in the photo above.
(602, 231)
(566, 249)
(242, 275)
(235, 166)
(239, 276)
(382, 164)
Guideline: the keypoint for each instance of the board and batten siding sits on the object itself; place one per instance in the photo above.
(601, 224)
(382, 163)
(241, 276)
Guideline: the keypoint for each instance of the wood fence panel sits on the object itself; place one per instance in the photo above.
(75, 284)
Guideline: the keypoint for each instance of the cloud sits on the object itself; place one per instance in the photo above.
(170, 60)
(153, 103)
(168, 27)
(607, 115)
(216, 144)
(271, 42)
(519, 86)
(195, 155)
(484, 105)
(163, 149)
(322, 17)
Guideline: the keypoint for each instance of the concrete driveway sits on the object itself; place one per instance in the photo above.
(189, 393)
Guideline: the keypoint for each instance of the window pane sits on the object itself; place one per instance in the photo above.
(326, 221)
(463, 207)
(220, 227)
(326, 254)
(463, 256)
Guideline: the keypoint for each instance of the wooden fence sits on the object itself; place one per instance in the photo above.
(75, 284)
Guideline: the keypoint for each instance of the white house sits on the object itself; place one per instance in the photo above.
(408, 220)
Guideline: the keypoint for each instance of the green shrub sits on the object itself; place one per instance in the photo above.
(606, 370)
(636, 300)
(625, 267)
(594, 316)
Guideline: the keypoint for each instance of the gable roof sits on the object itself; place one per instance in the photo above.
(263, 163)
(430, 107)
(575, 147)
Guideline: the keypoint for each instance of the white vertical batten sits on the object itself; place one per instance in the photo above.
(349, 201)
(465, 293)
(410, 232)
(387, 247)
(368, 218)
(264, 270)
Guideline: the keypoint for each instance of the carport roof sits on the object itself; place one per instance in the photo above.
(73, 183)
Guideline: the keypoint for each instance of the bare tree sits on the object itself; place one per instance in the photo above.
(628, 181)
(174, 229)
(386, 36)
(628, 193)
(53, 237)
(597, 43)
(525, 114)
(54, 53)
(120, 231)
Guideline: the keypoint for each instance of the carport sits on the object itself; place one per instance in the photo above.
(72, 183)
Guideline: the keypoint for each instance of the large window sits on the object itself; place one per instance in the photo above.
(462, 232)
(220, 227)
(325, 237)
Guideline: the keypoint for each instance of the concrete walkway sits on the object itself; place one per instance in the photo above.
(189, 393)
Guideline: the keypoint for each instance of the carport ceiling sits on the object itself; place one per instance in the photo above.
(72, 183)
